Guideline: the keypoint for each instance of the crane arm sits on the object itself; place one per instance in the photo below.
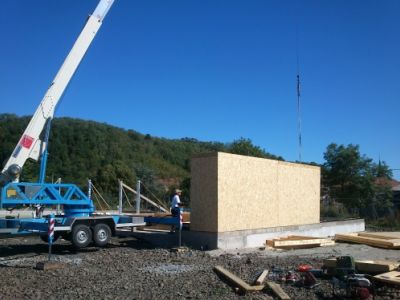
(30, 145)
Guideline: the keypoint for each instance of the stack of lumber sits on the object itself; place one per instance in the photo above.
(388, 240)
(298, 241)
(367, 266)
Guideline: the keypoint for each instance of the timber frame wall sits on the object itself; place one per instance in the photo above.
(233, 192)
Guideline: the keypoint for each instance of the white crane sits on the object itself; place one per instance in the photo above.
(30, 145)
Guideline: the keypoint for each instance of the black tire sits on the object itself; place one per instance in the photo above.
(81, 236)
(101, 234)
(45, 238)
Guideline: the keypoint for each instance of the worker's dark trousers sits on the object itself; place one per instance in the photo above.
(175, 212)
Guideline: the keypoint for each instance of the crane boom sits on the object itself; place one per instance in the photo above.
(30, 145)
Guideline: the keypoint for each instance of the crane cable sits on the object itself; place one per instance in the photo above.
(100, 196)
(126, 196)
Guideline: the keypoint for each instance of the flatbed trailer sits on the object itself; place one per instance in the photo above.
(81, 231)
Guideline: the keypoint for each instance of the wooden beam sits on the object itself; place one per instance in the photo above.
(367, 266)
(390, 277)
(391, 244)
(381, 235)
(261, 278)
(237, 281)
(276, 288)
(299, 242)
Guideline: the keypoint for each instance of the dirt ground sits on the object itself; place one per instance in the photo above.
(133, 269)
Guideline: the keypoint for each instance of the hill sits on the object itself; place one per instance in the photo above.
(80, 149)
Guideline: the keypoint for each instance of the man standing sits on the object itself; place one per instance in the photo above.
(176, 203)
(175, 206)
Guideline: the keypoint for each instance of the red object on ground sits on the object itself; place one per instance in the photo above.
(304, 268)
(362, 293)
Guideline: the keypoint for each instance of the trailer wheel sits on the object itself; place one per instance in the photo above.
(81, 236)
(101, 234)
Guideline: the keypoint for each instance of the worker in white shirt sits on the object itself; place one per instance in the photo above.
(175, 206)
(176, 203)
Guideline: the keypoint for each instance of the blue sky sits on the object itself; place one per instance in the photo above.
(217, 70)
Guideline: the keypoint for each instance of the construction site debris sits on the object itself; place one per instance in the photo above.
(49, 265)
(157, 273)
(238, 282)
(297, 242)
(366, 266)
(278, 291)
(261, 278)
(381, 240)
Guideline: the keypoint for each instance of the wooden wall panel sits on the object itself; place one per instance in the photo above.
(204, 191)
(234, 192)
(298, 194)
(247, 192)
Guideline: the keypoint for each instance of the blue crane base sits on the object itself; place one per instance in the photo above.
(75, 203)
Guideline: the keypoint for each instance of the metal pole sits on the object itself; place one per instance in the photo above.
(89, 194)
(45, 143)
(180, 227)
(120, 197)
(138, 197)
(50, 233)
(59, 191)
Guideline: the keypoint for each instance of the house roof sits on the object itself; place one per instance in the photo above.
(393, 184)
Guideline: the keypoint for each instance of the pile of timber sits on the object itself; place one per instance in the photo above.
(298, 242)
(387, 240)
(366, 266)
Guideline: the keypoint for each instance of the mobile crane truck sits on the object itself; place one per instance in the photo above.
(78, 223)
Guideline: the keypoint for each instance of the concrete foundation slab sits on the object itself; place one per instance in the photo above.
(257, 238)
(249, 238)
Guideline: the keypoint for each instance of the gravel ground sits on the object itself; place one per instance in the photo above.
(132, 269)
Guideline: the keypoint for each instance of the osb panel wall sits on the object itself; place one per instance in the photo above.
(298, 194)
(204, 193)
(246, 192)
(252, 193)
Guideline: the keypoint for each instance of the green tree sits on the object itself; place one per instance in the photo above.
(245, 146)
(351, 180)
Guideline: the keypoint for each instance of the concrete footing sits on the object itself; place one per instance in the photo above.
(252, 238)
(257, 237)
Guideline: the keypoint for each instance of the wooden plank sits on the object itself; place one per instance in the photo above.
(296, 241)
(276, 288)
(391, 244)
(367, 266)
(390, 277)
(381, 235)
(379, 266)
(278, 243)
(328, 243)
(237, 281)
(261, 278)
(303, 237)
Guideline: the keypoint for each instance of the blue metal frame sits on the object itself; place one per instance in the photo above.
(75, 202)
(163, 220)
